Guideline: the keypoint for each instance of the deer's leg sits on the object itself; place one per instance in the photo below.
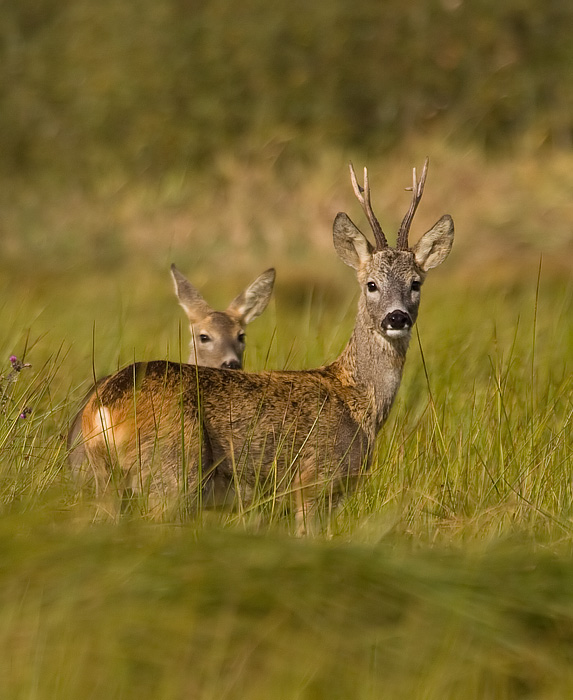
(306, 493)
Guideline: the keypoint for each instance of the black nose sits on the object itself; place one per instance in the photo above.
(397, 321)
(231, 364)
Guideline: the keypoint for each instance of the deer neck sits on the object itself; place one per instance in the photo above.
(373, 364)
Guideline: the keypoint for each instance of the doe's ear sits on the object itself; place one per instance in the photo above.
(434, 246)
(253, 301)
(351, 244)
(190, 300)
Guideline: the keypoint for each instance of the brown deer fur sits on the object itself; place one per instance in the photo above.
(217, 338)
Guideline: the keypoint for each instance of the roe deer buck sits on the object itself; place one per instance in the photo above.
(161, 426)
(217, 337)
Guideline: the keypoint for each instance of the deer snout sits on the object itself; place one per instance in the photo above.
(397, 321)
(231, 364)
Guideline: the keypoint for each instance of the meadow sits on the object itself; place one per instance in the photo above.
(448, 573)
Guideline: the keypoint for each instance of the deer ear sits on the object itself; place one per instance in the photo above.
(190, 300)
(351, 244)
(434, 246)
(253, 301)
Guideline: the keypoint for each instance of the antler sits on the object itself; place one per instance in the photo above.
(417, 191)
(363, 196)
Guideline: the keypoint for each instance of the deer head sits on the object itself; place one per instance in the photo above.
(218, 337)
(391, 278)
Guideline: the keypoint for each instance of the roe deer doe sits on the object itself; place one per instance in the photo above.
(161, 427)
(217, 337)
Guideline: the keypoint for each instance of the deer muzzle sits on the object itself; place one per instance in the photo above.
(231, 364)
(397, 323)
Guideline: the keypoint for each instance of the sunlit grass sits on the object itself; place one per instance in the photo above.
(478, 444)
(445, 574)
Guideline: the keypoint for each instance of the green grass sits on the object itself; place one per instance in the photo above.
(158, 612)
(280, 79)
(446, 574)
(478, 444)
(217, 135)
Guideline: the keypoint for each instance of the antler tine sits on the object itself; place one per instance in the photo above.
(417, 191)
(363, 196)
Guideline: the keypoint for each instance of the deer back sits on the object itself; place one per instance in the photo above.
(257, 425)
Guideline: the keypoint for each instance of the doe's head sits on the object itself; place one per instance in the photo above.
(391, 278)
(218, 337)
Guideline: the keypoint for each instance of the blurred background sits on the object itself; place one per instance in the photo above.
(217, 135)
(146, 88)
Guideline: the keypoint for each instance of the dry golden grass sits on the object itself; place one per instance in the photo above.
(240, 215)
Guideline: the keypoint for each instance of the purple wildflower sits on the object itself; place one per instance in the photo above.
(18, 365)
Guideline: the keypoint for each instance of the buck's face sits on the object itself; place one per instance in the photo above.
(390, 279)
(217, 340)
(390, 287)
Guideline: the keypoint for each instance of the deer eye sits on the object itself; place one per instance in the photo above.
(371, 286)
(416, 286)
(241, 337)
(204, 338)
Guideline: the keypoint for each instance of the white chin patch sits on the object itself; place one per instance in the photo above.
(397, 333)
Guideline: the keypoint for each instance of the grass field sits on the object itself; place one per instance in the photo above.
(447, 574)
